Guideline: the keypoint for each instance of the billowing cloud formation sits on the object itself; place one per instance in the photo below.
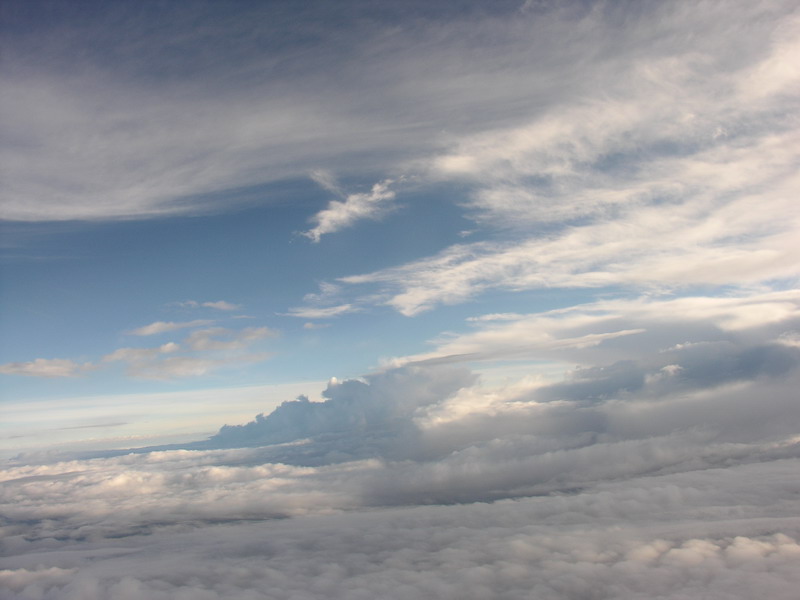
(627, 495)
(662, 465)
(355, 207)
(377, 411)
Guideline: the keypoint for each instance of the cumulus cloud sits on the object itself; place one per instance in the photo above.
(627, 479)
(164, 326)
(357, 413)
(356, 207)
(210, 520)
(45, 367)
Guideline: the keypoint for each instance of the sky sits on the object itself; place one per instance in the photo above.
(373, 299)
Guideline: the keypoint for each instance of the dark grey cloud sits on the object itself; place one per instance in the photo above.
(693, 366)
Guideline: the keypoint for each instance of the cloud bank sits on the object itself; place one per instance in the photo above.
(661, 463)
(632, 490)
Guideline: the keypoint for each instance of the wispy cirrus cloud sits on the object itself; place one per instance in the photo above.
(643, 328)
(202, 351)
(220, 338)
(46, 367)
(650, 184)
(156, 150)
(158, 327)
(218, 305)
(325, 312)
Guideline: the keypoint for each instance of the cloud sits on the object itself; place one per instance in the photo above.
(660, 475)
(138, 355)
(356, 207)
(647, 184)
(728, 529)
(204, 350)
(648, 447)
(45, 367)
(219, 305)
(189, 366)
(621, 329)
(374, 411)
(163, 326)
(447, 87)
(311, 312)
(209, 339)
(172, 143)
(327, 181)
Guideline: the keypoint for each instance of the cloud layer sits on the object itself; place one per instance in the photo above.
(622, 494)
(670, 92)
(661, 465)
(643, 443)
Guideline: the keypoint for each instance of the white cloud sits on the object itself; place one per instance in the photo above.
(164, 326)
(190, 366)
(219, 338)
(204, 350)
(356, 207)
(138, 355)
(642, 513)
(326, 312)
(45, 367)
(219, 305)
(162, 146)
(649, 184)
(660, 474)
(620, 329)
(327, 181)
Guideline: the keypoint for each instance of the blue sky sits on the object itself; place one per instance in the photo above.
(316, 191)
(510, 286)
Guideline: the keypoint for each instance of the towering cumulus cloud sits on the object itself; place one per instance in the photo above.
(378, 410)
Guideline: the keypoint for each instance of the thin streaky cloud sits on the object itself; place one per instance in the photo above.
(323, 312)
(158, 327)
(218, 305)
(46, 367)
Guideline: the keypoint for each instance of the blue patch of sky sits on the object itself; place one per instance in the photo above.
(90, 284)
